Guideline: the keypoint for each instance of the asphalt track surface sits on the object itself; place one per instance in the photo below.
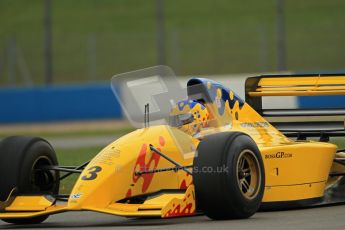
(313, 218)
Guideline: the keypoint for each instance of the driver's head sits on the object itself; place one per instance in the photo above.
(190, 116)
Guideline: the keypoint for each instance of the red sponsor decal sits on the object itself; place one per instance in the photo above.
(161, 141)
(129, 193)
(178, 212)
(183, 185)
(142, 165)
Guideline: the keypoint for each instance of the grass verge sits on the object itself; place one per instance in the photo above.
(74, 157)
(78, 133)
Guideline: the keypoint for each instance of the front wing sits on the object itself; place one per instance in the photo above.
(165, 205)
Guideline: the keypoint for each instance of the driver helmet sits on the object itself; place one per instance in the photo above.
(190, 116)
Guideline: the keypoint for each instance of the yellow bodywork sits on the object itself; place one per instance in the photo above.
(117, 181)
(302, 86)
(294, 170)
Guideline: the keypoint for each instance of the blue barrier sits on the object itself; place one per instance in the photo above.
(315, 102)
(58, 103)
(96, 101)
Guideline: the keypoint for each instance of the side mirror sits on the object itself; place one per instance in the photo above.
(181, 119)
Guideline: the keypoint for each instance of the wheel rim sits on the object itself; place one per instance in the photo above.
(248, 174)
(42, 180)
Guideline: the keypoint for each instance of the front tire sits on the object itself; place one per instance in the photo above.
(21, 160)
(229, 176)
(32, 220)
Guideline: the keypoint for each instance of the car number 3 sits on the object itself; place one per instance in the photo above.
(92, 173)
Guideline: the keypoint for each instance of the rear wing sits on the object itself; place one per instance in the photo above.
(325, 123)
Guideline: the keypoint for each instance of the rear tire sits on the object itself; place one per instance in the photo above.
(21, 157)
(229, 176)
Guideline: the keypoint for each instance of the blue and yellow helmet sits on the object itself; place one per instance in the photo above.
(190, 116)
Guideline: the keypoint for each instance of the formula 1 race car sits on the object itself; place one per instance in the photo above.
(196, 150)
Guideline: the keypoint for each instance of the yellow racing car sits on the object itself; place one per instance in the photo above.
(199, 149)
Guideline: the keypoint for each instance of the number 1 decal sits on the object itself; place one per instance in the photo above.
(92, 173)
(277, 171)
